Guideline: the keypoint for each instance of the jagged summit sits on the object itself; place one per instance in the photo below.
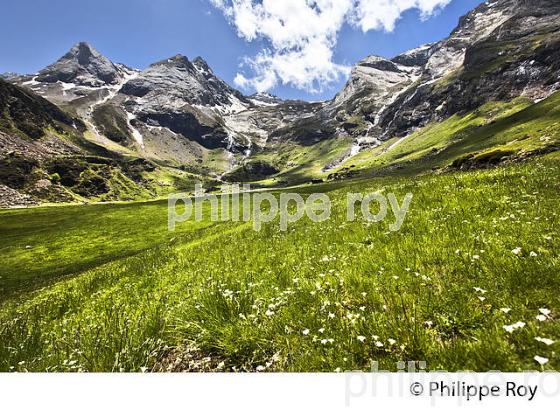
(180, 81)
(8, 76)
(416, 57)
(84, 53)
(177, 60)
(82, 65)
(379, 63)
(265, 99)
(202, 65)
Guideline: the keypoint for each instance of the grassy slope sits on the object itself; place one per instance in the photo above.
(299, 163)
(42, 244)
(244, 298)
(513, 126)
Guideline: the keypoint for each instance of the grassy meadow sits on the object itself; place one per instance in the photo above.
(470, 282)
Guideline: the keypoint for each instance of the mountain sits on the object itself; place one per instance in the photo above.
(8, 76)
(184, 97)
(500, 63)
(176, 111)
(501, 50)
(32, 129)
(82, 65)
(46, 157)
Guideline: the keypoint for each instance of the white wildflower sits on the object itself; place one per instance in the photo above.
(541, 360)
(545, 311)
(505, 310)
(516, 251)
(362, 339)
(305, 332)
(515, 326)
(544, 340)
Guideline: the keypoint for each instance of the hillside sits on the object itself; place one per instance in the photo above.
(45, 157)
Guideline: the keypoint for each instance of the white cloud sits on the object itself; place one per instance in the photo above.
(303, 34)
(383, 14)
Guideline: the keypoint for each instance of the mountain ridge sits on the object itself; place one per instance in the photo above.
(177, 113)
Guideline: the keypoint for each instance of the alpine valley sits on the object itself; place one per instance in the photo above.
(88, 129)
(98, 276)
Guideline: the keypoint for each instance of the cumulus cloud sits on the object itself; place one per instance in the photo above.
(303, 34)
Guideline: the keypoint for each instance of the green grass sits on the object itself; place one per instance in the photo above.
(224, 297)
(40, 245)
(300, 163)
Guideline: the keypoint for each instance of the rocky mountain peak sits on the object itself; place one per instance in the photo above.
(84, 53)
(179, 81)
(265, 99)
(8, 76)
(178, 61)
(374, 76)
(378, 63)
(202, 65)
(417, 57)
(82, 65)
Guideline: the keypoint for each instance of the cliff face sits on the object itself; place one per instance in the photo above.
(501, 50)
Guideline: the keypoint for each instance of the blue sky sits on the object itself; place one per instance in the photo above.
(35, 33)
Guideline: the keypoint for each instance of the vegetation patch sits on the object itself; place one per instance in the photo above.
(15, 170)
(113, 124)
(252, 170)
